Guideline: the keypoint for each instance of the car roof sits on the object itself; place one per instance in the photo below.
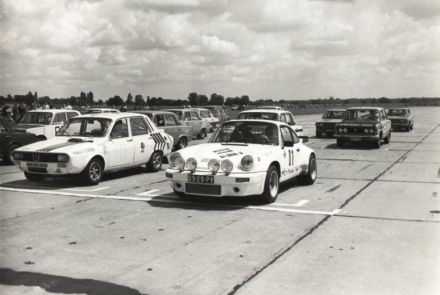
(153, 112)
(259, 121)
(366, 108)
(265, 111)
(52, 111)
(102, 109)
(112, 116)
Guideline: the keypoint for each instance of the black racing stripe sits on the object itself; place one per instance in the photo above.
(162, 141)
(155, 141)
(59, 145)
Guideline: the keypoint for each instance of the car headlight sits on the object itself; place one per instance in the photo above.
(340, 130)
(366, 130)
(214, 165)
(191, 164)
(227, 166)
(247, 162)
(62, 158)
(345, 130)
(18, 156)
(176, 161)
(371, 130)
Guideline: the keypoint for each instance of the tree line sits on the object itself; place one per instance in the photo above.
(195, 99)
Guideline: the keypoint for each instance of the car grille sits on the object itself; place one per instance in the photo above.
(194, 188)
(37, 170)
(40, 157)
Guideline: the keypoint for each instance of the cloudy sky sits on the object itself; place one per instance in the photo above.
(280, 49)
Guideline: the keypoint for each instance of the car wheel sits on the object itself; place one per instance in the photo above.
(202, 134)
(412, 126)
(318, 134)
(181, 143)
(378, 142)
(340, 143)
(93, 172)
(7, 158)
(34, 177)
(388, 138)
(312, 172)
(155, 162)
(271, 185)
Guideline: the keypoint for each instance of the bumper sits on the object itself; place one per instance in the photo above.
(49, 168)
(358, 137)
(235, 185)
(400, 125)
(329, 130)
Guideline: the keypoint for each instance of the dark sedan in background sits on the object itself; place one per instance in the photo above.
(401, 118)
(10, 139)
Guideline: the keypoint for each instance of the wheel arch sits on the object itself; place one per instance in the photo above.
(277, 165)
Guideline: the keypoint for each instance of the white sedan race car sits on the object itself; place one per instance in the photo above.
(90, 145)
(243, 157)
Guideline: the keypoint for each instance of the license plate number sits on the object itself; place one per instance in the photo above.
(355, 139)
(201, 178)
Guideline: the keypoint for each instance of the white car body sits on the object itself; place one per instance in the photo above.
(116, 153)
(290, 160)
(277, 114)
(49, 128)
(211, 122)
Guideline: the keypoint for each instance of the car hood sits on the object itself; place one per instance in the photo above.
(60, 144)
(233, 152)
(24, 127)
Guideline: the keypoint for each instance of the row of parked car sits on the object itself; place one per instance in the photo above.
(364, 124)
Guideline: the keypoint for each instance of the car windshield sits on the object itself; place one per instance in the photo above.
(247, 132)
(333, 115)
(178, 113)
(392, 112)
(361, 114)
(93, 127)
(259, 116)
(43, 118)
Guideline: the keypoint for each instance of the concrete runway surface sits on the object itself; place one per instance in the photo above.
(369, 225)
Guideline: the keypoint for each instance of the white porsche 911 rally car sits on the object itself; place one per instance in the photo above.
(90, 145)
(243, 157)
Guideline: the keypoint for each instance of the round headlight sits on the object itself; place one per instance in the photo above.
(191, 164)
(227, 166)
(62, 158)
(366, 130)
(176, 161)
(345, 130)
(17, 156)
(214, 165)
(340, 130)
(247, 162)
(371, 130)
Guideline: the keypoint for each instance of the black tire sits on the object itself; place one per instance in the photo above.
(407, 128)
(387, 139)
(318, 134)
(202, 134)
(93, 172)
(155, 162)
(271, 185)
(34, 177)
(181, 143)
(412, 126)
(340, 142)
(378, 142)
(7, 158)
(312, 173)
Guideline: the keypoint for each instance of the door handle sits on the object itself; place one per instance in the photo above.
(129, 140)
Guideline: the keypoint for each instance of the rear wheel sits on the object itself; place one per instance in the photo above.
(7, 158)
(202, 133)
(312, 172)
(33, 177)
(181, 143)
(155, 162)
(93, 172)
(388, 138)
(271, 185)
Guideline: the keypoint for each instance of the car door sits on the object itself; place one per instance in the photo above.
(142, 141)
(120, 146)
(196, 122)
(386, 123)
(172, 126)
(288, 165)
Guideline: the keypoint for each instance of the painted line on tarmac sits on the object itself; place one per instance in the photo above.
(167, 200)
(150, 193)
(86, 190)
(300, 203)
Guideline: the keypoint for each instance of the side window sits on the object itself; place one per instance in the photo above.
(294, 136)
(287, 136)
(170, 120)
(283, 118)
(195, 116)
(138, 126)
(159, 120)
(71, 115)
(60, 118)
(186, 116)
(289, 119)
(120, 129)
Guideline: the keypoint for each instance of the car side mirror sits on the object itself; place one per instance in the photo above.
(304, 138)
(291, 123)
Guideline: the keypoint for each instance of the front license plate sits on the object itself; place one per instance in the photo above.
(201, 178)
(355, 139)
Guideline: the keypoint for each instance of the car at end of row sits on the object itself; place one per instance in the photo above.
(242, 158)
(401, 118)
(364, 124)
(90, 145)
(326, 125)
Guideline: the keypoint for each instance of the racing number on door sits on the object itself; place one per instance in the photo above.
(290, 157)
